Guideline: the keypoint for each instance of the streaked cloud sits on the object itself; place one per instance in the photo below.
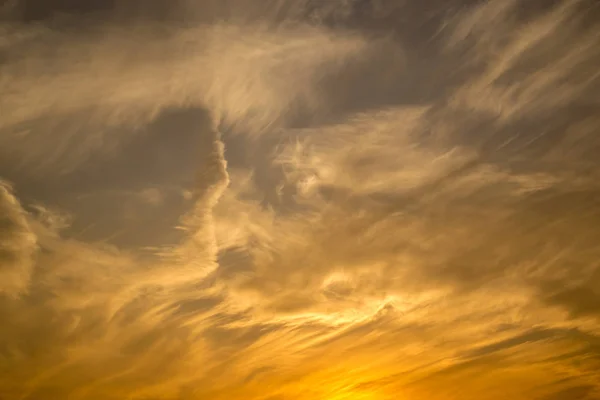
(18, 244)
(372, 216)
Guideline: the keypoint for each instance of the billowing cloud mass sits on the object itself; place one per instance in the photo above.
(296, 199)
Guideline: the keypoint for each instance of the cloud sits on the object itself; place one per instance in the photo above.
(366, 245)
(575, 392)
(91, 94)
(528, 68)
(19, 244)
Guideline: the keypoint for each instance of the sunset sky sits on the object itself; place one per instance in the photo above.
(299, 200)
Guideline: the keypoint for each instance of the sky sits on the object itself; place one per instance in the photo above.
(299, 200)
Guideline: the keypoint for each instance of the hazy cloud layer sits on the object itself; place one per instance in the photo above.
(388, 200)
(18, 244)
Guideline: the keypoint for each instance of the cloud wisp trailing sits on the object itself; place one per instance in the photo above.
(389, 200)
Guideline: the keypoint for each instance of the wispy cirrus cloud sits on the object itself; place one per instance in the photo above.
(18, 244)
(368, 242)
(83, 95)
